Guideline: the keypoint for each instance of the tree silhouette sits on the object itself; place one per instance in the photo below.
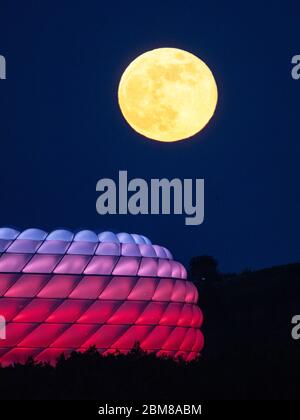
(204, 268)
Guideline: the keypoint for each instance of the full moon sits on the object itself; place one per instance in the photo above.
(167, 94)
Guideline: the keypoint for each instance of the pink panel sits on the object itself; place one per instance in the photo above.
(191, 291)
(191, 356)
(175, 339)
(13, 262)
(59, 287)
(25, 246)
(156, 338)
(197, 317)
(127, 313)
(127, 266)
(179, 291)
(99, 312)
(51, 355)
(147, 250)
(6, 281)
(148, 267)
(15, 333)
(152, 314)
(53, 247)
(106, 336)
(101, 265)
(176, 269)
(42, 264)
(164, 290)
(130, 250)
(144, 289)
(28, 285)
(68, 311)
(9, 307)
(118, 288)
(108, 248)
(89, 287)
(18, 355)
(189, 340)
(43, 335)
(171, 314)
(164, 268)
(37, 310)
(131, 336)
(183, 272)
(186, 315)
(72, 264)
(74, 336)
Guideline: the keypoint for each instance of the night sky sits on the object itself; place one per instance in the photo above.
(62, 130)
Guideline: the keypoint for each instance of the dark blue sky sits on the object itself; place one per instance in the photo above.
(61, 128)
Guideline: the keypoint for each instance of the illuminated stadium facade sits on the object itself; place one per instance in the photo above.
(61, 292)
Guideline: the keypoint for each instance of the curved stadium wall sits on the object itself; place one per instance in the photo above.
(61, 292)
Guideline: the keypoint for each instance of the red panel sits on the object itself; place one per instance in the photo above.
(101, 265)
(175, 339)
(131, 336)
(127, 266)
(42, 264)
(164, 290)
(43, 335)
(59, 287)
(90, 287)
(72, 264)
(37, 310)
(51, 355)
(171, 314)
(74, 336)
(186, 315)
(144, 289)
(118, 288)
(9, 307)
(189, 340)
(152, 313)
(15, 333)
(127, 313)
(197, 317)
(179, 291)
(106, 336)
(6, 281)
(69, 311)
(148, 267)
(18, 355)
(199, 341)
(99, 312)
(28, 285)
(156, 338)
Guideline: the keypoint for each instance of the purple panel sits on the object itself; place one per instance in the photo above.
(13, 262)
(26, 246)
(86, 236)
(130, 250)
(148, 267)
(60, 235)
(4, 244)
(164, 268)
(82, 248)
(138, 239)
(72, 264)
(8, 233)
(168, 253)
(108, 248)
(42, 264)
(33, 234)
(108, 237)
(53, 247)
(127, 266)
(147, 250)
(176, 269)
(183, 272)
(160, 252)
(125, 238)
(101, 265)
